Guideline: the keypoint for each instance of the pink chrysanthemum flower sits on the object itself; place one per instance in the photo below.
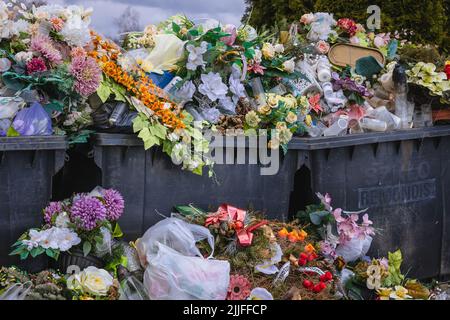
(239, 288)
(78, 52)
(44, 45)
(87, 74)
(36, 65)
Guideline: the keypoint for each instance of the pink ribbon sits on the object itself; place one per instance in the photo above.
(237, 217)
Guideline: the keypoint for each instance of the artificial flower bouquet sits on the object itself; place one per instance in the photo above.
(88, 284)
(383, 279)
(86, 221)
(44, 59)
(346, 242)
(282, 116)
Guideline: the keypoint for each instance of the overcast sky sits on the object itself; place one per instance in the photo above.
(154, 11)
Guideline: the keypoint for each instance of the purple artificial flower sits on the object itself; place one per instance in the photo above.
(86, 212)
(348, 84)
(54, 208)
(114, 204)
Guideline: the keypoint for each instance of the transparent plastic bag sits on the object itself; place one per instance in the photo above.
(33, 121)
(173, 276)
(176, 234)
(355, 249)
(132, 289)
(9, 106)
(17, 291)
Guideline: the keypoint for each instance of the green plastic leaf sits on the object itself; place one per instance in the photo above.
(138, 124)
(104, 92)
(189, 210)
(145, 134)
(87, 247)
(35, 252)
(24, 255)
(12, 132)
(150, 142)
(50, 253)
(117, 233)
(55, 105)
(18, 251)
(176, 28)
(158, 130)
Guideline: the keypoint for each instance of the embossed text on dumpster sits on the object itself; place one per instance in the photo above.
(398, 194)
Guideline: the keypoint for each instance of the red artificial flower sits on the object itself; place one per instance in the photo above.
(314, 102)
(447, 69)
(36, 64)
(348, 25)
(239, 288)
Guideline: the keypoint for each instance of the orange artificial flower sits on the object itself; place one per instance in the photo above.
(154, 98)
(283, 233)
(310, 248)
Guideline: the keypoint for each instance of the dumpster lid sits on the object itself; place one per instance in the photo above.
(131, 140)
(33, 143)
(367, 138)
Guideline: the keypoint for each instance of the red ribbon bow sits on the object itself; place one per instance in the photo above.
(237, 218)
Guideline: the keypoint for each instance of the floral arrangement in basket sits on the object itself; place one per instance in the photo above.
(86, 221)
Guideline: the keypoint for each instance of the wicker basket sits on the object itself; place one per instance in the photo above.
(76, 258)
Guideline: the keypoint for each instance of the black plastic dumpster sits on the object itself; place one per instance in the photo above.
(152, 185)
(403, 177)
(27, 165)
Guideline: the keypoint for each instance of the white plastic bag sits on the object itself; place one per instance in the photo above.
(174, 276)
(176, 234)
(354, 249)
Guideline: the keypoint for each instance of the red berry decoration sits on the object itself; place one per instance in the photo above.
(303, 256)
(302, 262)
(329, 276)
(318, 288)
(322, 285)
(308, 284)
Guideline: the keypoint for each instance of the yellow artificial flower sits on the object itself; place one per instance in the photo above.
(265, 110)
(252, 119)
(308, 120)
(400, 293)
(281, 126)
(291, 118)
(384, 293)
(273, 99)
(274, 144)
(268, 51)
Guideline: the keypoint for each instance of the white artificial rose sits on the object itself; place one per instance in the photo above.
(289, 66)
(258, 56)
(279, 48)
(95, 281)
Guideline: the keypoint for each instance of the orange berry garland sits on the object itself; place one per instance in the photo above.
(106, 54)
